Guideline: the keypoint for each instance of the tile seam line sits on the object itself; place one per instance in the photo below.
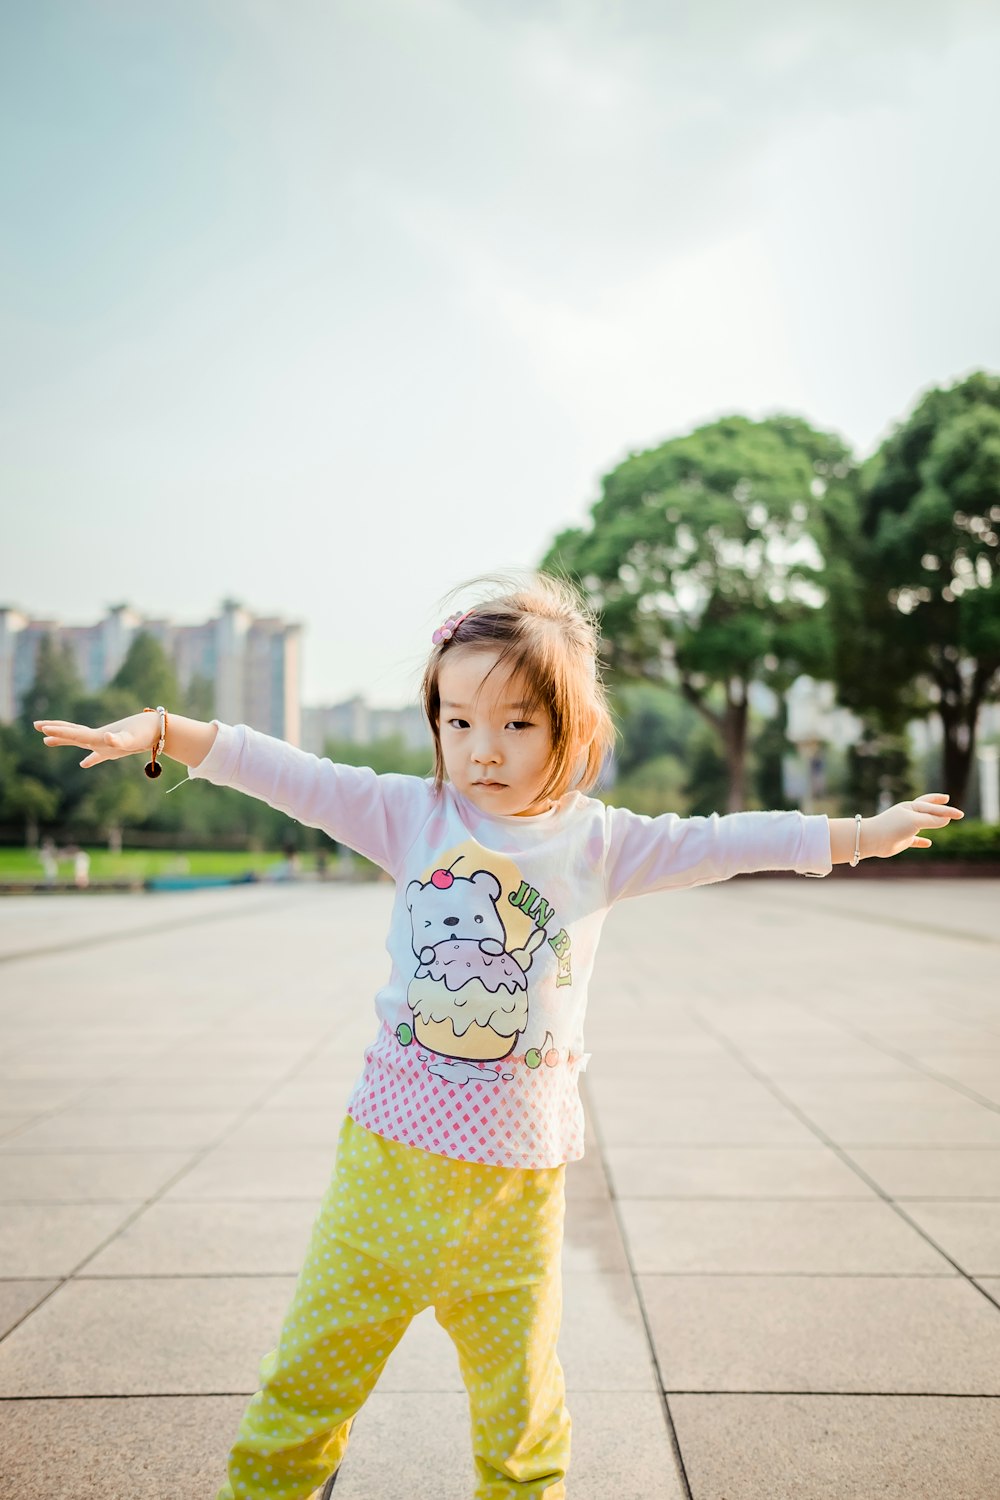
(177, 1176)
(672, 1434)
(576, 1390)
(949, 1276)
(848, 1395)
(632, 1198)
(843, 1156)
(151, 930)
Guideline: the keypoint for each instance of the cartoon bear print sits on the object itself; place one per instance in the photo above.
(469, 996)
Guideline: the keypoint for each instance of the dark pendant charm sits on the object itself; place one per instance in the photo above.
(153, 770)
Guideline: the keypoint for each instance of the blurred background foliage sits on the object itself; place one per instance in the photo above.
(744, 553)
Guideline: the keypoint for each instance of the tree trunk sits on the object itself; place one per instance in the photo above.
(958, 708)
(731, 727)
(735, 742)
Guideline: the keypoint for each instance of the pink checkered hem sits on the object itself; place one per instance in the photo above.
(532, 1119)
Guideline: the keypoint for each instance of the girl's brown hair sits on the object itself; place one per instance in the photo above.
(546, 635)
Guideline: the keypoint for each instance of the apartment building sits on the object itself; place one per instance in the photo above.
(252, 661)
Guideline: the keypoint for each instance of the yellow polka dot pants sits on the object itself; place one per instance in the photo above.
(400, 1229)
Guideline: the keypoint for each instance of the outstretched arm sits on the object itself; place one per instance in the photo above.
(187, 740)
(379, 816)
(668, 852)
(892, 831)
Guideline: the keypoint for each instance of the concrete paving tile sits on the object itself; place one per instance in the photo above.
(192, 1066)
(330, 1092)
(174, 1448)
(592, 1240)
(159, 1448)
(73, 1067)
(117, 1049)
(206, 1094)
(838, 1447)
(602, 1343)
(809, 1333)
(74, 1130)
(239, 1056)
(969, 1232)
(964, 1124)
(35, 1096)
(66, 916)
(613, 1085)
(137, 1337)
(587, 1178)
(406, 1443)
(204, 1239)
(47, 1177)
(18, 1298)
(319, 1074)
(423, 1360)
(876, 1093)
(51, 1239)
(282, 1128)
(808, 1237)
(621, 1448)
(926, 1172)
(734, 1172)
(645, 1117)
(872, 1066)
(419, 1445)
(11, 1125)
(255, 1175)
(957, 1061)
(678, 1075)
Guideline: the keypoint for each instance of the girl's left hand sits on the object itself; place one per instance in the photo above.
(897, 828)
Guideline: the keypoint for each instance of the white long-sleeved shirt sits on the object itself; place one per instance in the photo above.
(493, 934)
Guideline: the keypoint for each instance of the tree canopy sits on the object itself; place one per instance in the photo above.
(706, 559)
(924, 634)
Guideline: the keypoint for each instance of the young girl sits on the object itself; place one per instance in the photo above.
(449, 1176)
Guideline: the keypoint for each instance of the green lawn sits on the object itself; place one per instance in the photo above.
(139, 864)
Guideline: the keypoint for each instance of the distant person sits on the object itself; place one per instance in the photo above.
(50, 864)
(81, 869)
(321, 864)
(449, 1180)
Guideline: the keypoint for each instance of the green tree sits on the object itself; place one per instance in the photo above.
(655, 786)
(23, 798)
(110, 796)
(389, 754)
(652, 721)
(199, 700)
(37, 784)
(147, 674)
(55, 685)
(923, 634)
(706, 559)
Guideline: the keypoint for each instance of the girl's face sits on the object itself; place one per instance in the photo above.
(495, 751)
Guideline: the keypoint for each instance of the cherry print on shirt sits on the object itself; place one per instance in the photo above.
(547, 1053)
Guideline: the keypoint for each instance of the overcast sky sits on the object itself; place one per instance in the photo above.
(328, 306)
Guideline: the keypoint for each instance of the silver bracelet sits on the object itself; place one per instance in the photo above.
(856, 856)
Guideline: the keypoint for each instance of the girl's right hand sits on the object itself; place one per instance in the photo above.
(131, 736)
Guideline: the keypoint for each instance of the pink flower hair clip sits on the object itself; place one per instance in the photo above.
(447, 630)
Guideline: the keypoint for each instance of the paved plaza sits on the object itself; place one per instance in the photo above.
(782, 1260)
